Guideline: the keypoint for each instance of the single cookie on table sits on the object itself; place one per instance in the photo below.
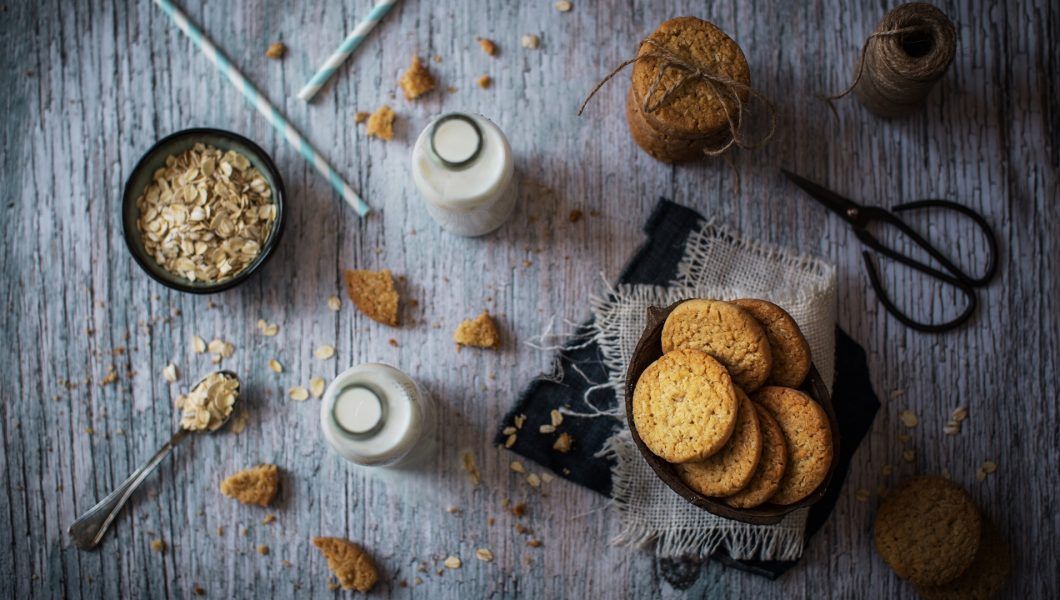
(256, 485)
(809, 437)
(928, 530)
(685, 406)
(771, 465)
(725, 331)
(984, 578)
(731, 468)
(350, 564)
(791, 353)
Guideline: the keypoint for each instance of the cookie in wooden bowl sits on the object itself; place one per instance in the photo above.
(730, 469)
(809, 439)
(790, 351)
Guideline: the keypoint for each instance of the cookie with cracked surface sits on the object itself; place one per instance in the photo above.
(374, 294)
(725, 331)
(480, 332)
(349, 562)
(928, 530)
(984, 578)
(256, 485)
(790, 351)
(685, 406)
(809, 438)
(731, 468)
(771, 465)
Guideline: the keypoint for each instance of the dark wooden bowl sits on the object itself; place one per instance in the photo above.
(648, 350)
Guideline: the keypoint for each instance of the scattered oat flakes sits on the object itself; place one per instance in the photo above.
(862, 495)
(488, 46)
(452, 562)
(219, 347)
(959, 414)
(324, 352)
(360, 117)
(897, 393)
(298, 393)
(276, 51)
(989, 467)
(980, 474)
(484, 82)
(239, 422)
(531, 41)
(533, 480)
(564, 6)
(263, 550)
(887, 469)
(563, 443)
(158, 545)
(484, 554)
(334, 303)
(534, 543)
(517, 467)
(316, 386)
(170, 373)
(453, 510)
(509, 430)
(546, 428)
(908, 418)
(468, 461)
(275, 365)
(508, 443)
(905, 438)
(908, 455)
(268, 519)
(952, 427)
(557, 417)
(206, 214)
(416, 80)
(381, 123)
(110, 377)
(546, 478)
(519, 420)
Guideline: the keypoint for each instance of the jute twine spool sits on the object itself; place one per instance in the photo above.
(900, 62)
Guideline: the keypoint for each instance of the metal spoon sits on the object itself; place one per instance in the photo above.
(88, 529)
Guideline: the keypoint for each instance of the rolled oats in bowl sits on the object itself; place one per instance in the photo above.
(206, 214)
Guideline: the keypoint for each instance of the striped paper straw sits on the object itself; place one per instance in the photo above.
(349, 44)
(267, 110)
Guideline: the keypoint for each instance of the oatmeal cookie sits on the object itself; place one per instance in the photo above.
(809, 437)
(771, 466)
(726, 332)
(791, 352)
(731, 468)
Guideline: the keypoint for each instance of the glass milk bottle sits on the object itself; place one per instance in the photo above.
(462, 166)
(375, 415)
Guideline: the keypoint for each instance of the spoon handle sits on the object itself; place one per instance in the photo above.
(88, 529)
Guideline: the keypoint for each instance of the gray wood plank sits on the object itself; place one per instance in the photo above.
(90, 86)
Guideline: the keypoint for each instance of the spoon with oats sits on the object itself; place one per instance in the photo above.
(206, 408)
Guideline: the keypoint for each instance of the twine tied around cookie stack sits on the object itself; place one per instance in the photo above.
(911, 49)
(674, 78)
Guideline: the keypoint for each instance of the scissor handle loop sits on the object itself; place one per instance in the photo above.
(908, 321)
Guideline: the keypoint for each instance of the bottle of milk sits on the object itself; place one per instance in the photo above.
(375, 415)
(462, 165)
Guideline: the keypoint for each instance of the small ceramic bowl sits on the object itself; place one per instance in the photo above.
(648, 350)
(155, 158)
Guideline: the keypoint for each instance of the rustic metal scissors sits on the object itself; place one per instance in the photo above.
(860, 217)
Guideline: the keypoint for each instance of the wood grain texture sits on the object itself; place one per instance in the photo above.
(89, 86)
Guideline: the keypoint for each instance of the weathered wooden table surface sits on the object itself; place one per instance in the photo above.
(89, 86)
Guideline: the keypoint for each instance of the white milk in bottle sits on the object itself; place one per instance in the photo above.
(375, 415)
(462, 165)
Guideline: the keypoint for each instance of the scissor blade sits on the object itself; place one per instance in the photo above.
(838, 204)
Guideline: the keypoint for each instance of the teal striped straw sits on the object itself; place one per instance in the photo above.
(267, 110)
(349, 44)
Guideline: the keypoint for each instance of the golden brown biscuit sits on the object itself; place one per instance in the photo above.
(697, 108)
(725, 331)
(480, 332)
(685, 406)
(349, 562)
(373, 293)
(984, 578)
(731, 468)
(791, 353)
(416, 80)
(771, 465)
(928, 530)
(256, 485)
(809, 437)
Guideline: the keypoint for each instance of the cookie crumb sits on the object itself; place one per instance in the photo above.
(263, 550)
(381, 123)
(488, 46)
(484, 82)
(862, 495)
(198, 590)
(517, 466)
(276, 51)
(257, 485)
(480, 332)
(468, 461)
(360, 117)
(157, 545)
(417, 80)
(575, 216)
(908, 455)
(534, 543)
(349, 562)
(531, 41)
(374, 294)
(564, 6)
(908, 418)
(268, 519)
(563, 443)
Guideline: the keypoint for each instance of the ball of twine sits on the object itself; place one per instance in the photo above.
(900, 62)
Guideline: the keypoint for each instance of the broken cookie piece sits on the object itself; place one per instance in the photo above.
(417, 80)
(480, 332)
(257, 485)
(381, 123)
(349, 562)
(373, 293)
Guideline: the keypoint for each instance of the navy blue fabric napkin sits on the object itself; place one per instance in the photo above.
(582, 365)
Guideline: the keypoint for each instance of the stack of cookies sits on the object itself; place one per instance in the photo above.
(930, 532)
(721, 404)
(686, 114)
